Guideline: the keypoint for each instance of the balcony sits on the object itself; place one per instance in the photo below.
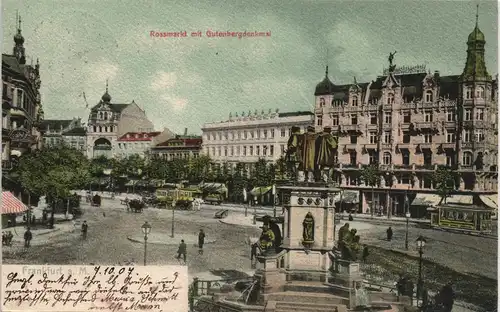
(404, 167)
(426, 167)
(405, 125)
(449, 124)
(425, 145)
(449, 146)
(467, 145)
(386, 146)
(350, 146)
(425, 125)
(404, 145)
(371, 146)
(350, 127)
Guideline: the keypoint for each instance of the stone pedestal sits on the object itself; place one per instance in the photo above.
(270, 276)
(346, 278)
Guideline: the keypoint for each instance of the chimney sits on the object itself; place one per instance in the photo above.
(185, 131)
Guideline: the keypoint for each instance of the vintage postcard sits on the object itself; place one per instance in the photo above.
(249, 155)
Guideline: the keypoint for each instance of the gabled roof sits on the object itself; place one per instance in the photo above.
(184, 140)
(10, 61)
(79, 131)
(117, 108)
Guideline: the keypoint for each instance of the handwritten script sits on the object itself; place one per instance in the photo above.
(94, 288)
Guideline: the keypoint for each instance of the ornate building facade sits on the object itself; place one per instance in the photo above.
(408, 122)
(21, 103)
(109, 121)
(177, 147)
(247, 138)
(134, 143)
(53, 129)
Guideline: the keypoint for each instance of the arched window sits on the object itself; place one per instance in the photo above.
(95, 129)
(105, 115)
(390, 98)
(100, 129)
(428, 96)
(468, 93)
(111, 129)
(354, 101)
(321, 102)
(105, 128)
(467, 159)
(100, 115)
(387, 158)
(480, 92)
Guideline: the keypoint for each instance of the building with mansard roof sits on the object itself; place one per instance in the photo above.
(248, 137)
(21, 103)
(408, 122)
(109, 121)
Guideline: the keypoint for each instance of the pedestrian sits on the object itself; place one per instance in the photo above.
(350, 217)
(253, 252)
(181, 251)
(84, 229)
(389, 234)
(365, 253)
(201, 241)
(447, 297)
(27, 237)
(401, 285)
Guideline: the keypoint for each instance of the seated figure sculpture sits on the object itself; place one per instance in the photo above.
(266, 240)
(325, 152)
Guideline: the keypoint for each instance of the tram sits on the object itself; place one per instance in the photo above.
(468, 218)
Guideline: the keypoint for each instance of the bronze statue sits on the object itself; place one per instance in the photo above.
(308, 229)
(266, 239)
(292, 157)
(306, 153)
(326, 150)
(391, 59)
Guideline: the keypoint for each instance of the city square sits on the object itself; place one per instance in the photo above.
(366, 180)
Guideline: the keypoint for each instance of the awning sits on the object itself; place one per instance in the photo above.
(10, 204)
(15, 153)
(490, 200)
(348, 197)
(460, 199)
(423, 199)
(131, 182)
(261, 190)
(213, 188)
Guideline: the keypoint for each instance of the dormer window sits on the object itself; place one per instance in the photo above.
(105, 115)
(145, 135)
(390, 98)
(322, 102)
(101, 116)
(428, 96)
(354, 101)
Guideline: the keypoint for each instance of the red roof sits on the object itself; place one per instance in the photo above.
(181, 142)
(141, 136)
(10, 204)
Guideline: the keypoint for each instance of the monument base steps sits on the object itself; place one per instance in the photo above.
(286, 306)
(306, 298)
(308, 287)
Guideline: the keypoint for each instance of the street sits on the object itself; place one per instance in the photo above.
(107, 241)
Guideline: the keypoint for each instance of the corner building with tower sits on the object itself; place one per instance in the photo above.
(409, 122)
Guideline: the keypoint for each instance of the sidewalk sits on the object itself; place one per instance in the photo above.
(41, 236)
(240, 219)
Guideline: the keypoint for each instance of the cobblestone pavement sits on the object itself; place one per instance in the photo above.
(107, 241)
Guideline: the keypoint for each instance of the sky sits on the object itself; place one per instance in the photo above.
(186, 82)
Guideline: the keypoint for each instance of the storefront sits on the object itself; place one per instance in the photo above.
(11, 207)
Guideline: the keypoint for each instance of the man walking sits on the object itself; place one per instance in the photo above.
(181, 251)
(27, 238)
(84, 229)
(201, 241)
(389, 234)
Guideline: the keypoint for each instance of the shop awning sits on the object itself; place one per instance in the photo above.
(460, 199)
(490, 200)
(10, 204)
(213, 188)
(348, 197)
(423, 199)
(260, 190)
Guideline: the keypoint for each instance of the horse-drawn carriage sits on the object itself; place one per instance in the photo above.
(136, 205)
(96, 201)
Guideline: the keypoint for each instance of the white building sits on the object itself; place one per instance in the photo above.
(247, 138)
(76, 138)
(135, 143)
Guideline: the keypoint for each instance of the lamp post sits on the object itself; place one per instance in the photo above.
(174, 202)
(420, 246)
(146, 229)
(107, 172)
(255, 211)
(274, 200)
(407, 215)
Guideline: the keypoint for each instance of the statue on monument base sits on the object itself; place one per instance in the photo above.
(266, 241)
(312, 154)
(326, 150)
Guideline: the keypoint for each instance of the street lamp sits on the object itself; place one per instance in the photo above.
(146, 229)
(407, 215)
(420, 246)
(174, 202)
(107, 172)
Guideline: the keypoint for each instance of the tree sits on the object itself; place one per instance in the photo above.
(239, 182)
(371, 176)
(444, 179)
(54, 172)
